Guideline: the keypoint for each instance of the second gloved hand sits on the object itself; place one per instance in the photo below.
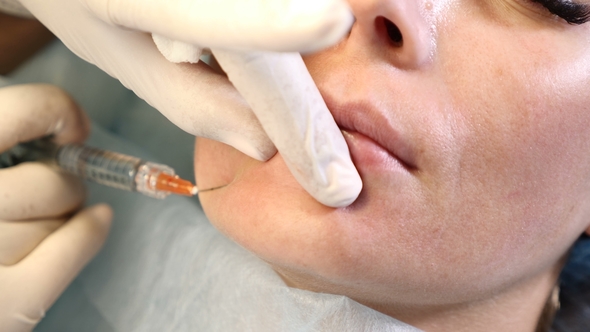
(278, 107)
(44, 240)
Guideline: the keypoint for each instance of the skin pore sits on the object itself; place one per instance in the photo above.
(471, 137)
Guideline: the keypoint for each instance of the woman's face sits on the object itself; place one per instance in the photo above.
(471, 135)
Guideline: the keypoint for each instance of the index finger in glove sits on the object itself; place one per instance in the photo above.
(35, 110)
(292, 112)
(280, 25)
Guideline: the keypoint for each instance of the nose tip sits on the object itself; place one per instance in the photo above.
(401, 28)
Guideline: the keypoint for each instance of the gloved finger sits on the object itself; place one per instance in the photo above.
(35, 110)
(35, 190)
(193, 97)
(291, 110)
(18, 239)
(45, 273)
(177, 51)
(205, 104)
(280, 25)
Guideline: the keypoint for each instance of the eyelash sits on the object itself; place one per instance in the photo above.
(571, 12)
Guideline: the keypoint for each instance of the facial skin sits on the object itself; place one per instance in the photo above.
(486, 104)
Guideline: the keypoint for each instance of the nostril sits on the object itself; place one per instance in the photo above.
(393, 32)
(395, 35)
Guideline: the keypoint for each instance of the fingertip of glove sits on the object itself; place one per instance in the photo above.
(177, 51)
(336, 184)
(332, 24)
(96, 222)
(73, 125)
(102, 213)
(342, 191)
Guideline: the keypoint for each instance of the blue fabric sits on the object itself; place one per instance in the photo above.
(574, 314)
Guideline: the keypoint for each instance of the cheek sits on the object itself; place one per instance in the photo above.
(217, 164)
(523, 134)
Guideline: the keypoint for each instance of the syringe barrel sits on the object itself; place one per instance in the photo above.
(104, 167)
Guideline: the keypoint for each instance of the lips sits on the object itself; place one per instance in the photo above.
(371, 136)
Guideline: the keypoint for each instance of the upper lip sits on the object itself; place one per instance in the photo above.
(367, 119)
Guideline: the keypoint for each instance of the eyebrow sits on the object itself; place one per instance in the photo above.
(572, 12)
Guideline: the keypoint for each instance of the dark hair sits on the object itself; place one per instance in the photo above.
(574, 297)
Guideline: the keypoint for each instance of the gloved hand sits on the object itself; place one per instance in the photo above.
(44, 242)
(288, 111)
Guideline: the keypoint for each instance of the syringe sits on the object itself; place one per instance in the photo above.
(105, 167)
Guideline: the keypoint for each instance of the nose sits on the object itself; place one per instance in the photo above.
(397, 29)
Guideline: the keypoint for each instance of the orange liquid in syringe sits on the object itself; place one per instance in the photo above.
(175, 185)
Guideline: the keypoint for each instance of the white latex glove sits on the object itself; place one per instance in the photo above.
(288, 113)
(42, 246)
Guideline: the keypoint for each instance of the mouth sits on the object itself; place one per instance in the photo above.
(372, 138)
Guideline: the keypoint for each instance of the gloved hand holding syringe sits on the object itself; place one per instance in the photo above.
(109, 168)
(283, 109)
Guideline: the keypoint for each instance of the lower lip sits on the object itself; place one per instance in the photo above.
(369, 156)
